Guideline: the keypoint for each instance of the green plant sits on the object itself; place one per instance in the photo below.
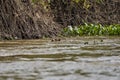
(92, 30)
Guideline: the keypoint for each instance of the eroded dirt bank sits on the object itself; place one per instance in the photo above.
(20, 19)
(68, 12)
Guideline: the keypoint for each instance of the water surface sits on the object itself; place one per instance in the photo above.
(80, 58)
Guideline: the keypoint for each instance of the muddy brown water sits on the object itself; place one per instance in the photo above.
(82, 58)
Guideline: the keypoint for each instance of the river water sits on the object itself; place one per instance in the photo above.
(80, 58)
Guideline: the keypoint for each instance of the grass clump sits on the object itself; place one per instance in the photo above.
(92, 30)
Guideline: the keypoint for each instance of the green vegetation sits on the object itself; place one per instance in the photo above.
(92, 30)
